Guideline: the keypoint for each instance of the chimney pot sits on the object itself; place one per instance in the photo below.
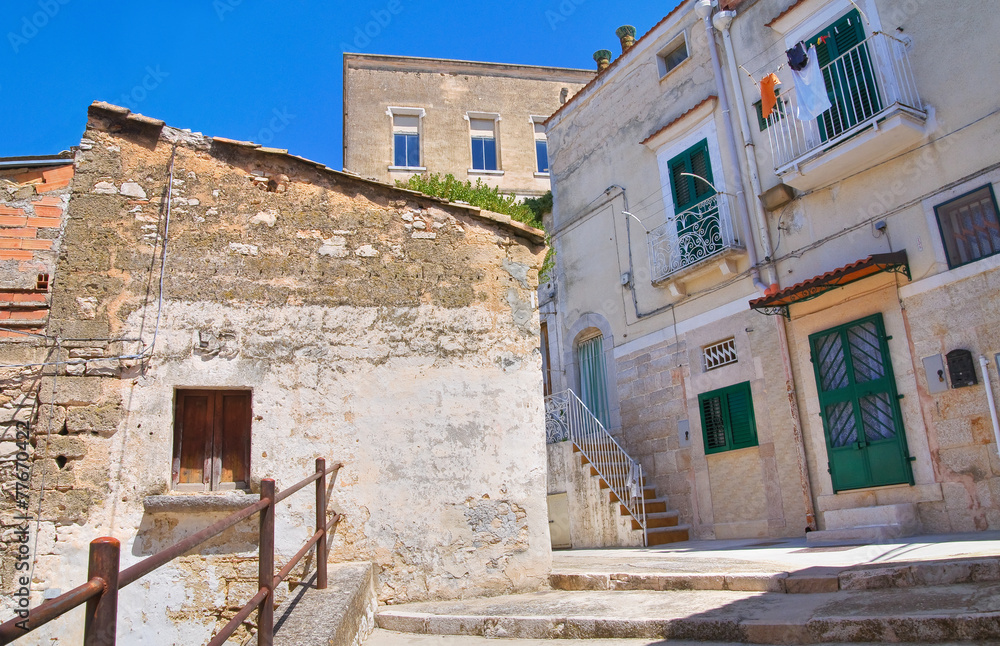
(626, 33)
(603, 59)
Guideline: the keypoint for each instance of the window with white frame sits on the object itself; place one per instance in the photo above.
(485, 151)
(675, 53)
(406, 137)
(541, 145)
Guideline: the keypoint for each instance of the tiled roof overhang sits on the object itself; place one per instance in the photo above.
(808, 289)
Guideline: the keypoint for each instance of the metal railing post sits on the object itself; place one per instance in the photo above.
(321, 551)
(265, 573)
(102, 611)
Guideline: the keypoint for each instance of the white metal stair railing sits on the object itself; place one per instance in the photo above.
(568, 418)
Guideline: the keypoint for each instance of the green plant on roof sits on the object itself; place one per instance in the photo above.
(479, 194)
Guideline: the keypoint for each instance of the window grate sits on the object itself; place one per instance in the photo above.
(720, 354)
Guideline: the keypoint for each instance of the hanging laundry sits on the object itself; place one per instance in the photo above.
(768, 99)
(810, 89)
(797, 57)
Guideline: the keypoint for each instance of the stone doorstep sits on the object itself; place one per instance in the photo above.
(807, 581)
(888, 629)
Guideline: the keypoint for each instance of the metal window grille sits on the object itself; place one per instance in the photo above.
(720, 354)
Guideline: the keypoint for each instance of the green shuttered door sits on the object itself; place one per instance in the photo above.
(866, 445)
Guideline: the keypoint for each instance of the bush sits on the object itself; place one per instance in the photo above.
(478, 194)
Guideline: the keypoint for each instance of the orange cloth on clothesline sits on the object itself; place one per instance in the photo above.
(767, 97)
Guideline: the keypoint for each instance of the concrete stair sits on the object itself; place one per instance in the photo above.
(867, 524)
(662, 524)
(952, 614)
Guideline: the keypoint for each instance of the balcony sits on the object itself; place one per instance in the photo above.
(692, 238)
(876, 113)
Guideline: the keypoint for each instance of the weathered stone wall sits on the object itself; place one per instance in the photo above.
(374, 327)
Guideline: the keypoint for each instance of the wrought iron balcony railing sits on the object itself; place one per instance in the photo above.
(688, 238)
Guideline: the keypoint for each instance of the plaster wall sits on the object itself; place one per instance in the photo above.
(373, 327)
(593, 520)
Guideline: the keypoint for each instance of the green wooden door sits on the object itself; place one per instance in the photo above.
(865, 442)
(593, 378)
(850, 79)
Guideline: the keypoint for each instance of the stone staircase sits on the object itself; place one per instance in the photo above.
(663, 524)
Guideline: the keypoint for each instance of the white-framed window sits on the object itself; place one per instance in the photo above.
(541, 146)
(406, 135)
(671, 56)
(485, 147)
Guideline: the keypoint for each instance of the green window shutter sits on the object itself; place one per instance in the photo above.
(680, 184)
(741, 420)
(712, 422)
(850, 83)
(688, 191)
(727, 418)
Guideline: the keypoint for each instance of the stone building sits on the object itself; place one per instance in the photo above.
(789, 322)
(476, 121)
(320, 315)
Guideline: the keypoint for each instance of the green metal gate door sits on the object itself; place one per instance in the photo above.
(865, 442)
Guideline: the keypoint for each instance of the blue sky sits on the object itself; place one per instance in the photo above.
(260, 69)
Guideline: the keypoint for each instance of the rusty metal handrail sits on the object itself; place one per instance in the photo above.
(100, 592)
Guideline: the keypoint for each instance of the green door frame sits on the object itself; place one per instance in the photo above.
(859, 404)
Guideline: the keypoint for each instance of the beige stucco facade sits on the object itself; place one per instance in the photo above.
(439, 97)
(871, 189)
(369, 325)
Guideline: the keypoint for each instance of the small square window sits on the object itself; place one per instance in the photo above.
(727, 419)
(969, 226)
(719, 354)
(211, 440)
(672, 55)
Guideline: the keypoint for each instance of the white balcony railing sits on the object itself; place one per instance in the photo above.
(688, 238)
(865, 84)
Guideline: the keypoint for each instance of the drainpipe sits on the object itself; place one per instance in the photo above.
(722, 20)
(989, 396)
(704, 10)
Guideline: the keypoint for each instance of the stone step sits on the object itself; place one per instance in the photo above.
(388, 638)
(653, 506)
(659, 519)
(939, 614)
(810, 580)
(867, 524)
(664, 535)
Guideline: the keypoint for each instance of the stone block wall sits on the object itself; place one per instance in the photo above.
(963, 449)
(372, 326)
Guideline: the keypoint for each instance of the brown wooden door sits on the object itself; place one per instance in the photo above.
(211, 439)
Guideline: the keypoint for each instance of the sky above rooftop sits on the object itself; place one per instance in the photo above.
(259, 70)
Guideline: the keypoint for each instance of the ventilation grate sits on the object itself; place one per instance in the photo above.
(720, 354)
